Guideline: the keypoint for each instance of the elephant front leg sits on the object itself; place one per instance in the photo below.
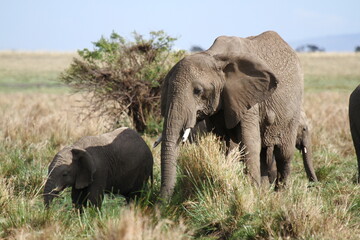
(79, 198)
(249, 135)
(96, 196)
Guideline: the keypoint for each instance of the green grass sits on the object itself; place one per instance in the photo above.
(31, 83)
(32, 71)
(331, 71)
(316, 83)
(213, 197)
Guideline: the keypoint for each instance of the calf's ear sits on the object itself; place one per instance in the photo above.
(85, 167)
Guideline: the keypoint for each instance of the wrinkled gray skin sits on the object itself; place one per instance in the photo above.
(118, 162)
(354, 118)
(303, 144)
(250, 88)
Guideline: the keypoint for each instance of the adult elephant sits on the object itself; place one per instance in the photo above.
(354, 117)
(249, 89)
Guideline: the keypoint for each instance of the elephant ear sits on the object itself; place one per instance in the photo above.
(248, 81)
(86, 167)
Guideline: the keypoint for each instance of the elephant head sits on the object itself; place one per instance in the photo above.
(303, 144)
(228, 77)
(70, 167)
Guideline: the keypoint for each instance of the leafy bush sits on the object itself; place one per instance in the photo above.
(124, 77)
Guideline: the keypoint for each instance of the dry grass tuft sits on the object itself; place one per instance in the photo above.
(216, 190)
(205, 162)
(52, 232)
(134, 225)
(301, 212)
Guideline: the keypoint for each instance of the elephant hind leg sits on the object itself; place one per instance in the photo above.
(283, 155)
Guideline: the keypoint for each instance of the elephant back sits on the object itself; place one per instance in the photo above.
(129, 161)
(286, 101)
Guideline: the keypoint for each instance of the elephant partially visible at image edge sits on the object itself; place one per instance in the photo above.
(354, 118)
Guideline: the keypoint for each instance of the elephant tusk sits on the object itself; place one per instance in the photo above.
(51, 194)
(57, 189)
(157, 142)
(186, 134)
(305, 150)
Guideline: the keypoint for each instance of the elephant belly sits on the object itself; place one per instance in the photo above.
(123, 188)
(279, 119)
(280, 134)
(125, 184)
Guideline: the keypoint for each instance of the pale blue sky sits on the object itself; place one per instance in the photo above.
(68, 25)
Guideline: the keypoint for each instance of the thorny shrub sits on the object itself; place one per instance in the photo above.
(124, 77)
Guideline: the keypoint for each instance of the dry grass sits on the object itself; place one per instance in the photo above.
(39, 62)
(330, 64)
(214, 199)
(35, 119)
(222, 201)
(320, 64)
(134, 225)
(328, 114)
(338, 72)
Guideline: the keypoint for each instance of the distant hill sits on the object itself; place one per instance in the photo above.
(335, 43)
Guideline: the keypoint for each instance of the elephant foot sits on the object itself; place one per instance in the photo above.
(280, 185)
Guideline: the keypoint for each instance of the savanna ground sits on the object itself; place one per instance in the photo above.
(213, 198)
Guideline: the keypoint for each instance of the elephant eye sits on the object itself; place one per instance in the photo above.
(198, 91)
(65, 174)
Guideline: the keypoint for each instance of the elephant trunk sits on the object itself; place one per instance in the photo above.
(169, 153)
(50, 192)
(306, 152)
(174, 124)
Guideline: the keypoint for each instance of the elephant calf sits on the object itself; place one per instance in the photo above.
(304, 145)
(119, 162)
(354, 117)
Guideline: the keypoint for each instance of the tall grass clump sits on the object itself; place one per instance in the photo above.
(218, 200)
(124, 77)
(299, 212)
(213, 188)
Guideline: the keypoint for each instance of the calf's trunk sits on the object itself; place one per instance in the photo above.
(49, 193)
